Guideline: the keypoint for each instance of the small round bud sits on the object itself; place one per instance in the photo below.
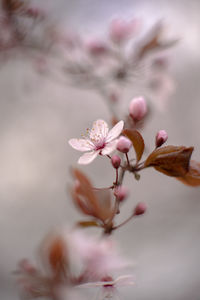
(140, 209)
(160, 63)
(121, 192)
(123, 144)
(116, 161)
(138, 108)
(27, 267)
(114, 97)
(121, 30)
(96, 47)
(161, 138)
(35, 13)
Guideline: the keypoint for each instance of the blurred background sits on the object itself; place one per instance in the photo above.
(39, 116)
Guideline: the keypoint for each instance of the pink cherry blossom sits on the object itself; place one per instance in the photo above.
(96, 47)
(110, 286)
(100, 257)
(99, 140)
(106, 282)
(121, 30)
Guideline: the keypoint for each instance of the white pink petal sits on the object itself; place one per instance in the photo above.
(109, 148)
(81, 144)
(115, 131)
(88, 157)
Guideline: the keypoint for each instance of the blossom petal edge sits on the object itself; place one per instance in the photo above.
(115, 131)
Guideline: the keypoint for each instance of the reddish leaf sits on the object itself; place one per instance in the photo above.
(12, 5)
(154, 43)
(137, 141)
(85, 189)
(192, 177)
(106, 204)
(89, 201)
(170, 160)
(57, 256)
(81, 204)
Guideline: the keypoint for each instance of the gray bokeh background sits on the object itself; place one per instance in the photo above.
(39, 116)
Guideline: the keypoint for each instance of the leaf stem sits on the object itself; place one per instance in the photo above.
(127, 159)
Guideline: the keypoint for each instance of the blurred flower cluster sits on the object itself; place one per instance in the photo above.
(71, 261)
(25, 30)
(127, 56)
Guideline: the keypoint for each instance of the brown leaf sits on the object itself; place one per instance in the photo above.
(170, 160)
(86, 191)
(57, 256)
(192, 177)
(96, 203)
(137, 141)
(106, 203)
(12, 5)
(150, 44)
(87, 224)
(82, 204)
(154, 43)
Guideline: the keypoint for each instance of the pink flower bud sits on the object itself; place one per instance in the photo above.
(35, 13)
(138, 108)
(161, 138)
(41, 65)
(123, 144)
(140, 209)
(116, 161)
(121, 30)
(27, 267)
(114, 97)
(160, 63)
(96, 47)
(121, 192)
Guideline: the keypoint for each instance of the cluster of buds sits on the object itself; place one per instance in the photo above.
(103, 64)
(106, 64)
(19, 23)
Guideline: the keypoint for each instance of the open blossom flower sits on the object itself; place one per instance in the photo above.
(70, 260)
(99, 141)
(100, 257)
(110, 286)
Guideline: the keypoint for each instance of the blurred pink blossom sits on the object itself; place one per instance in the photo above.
(70, 260)
(96, 47)
(121, 30)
